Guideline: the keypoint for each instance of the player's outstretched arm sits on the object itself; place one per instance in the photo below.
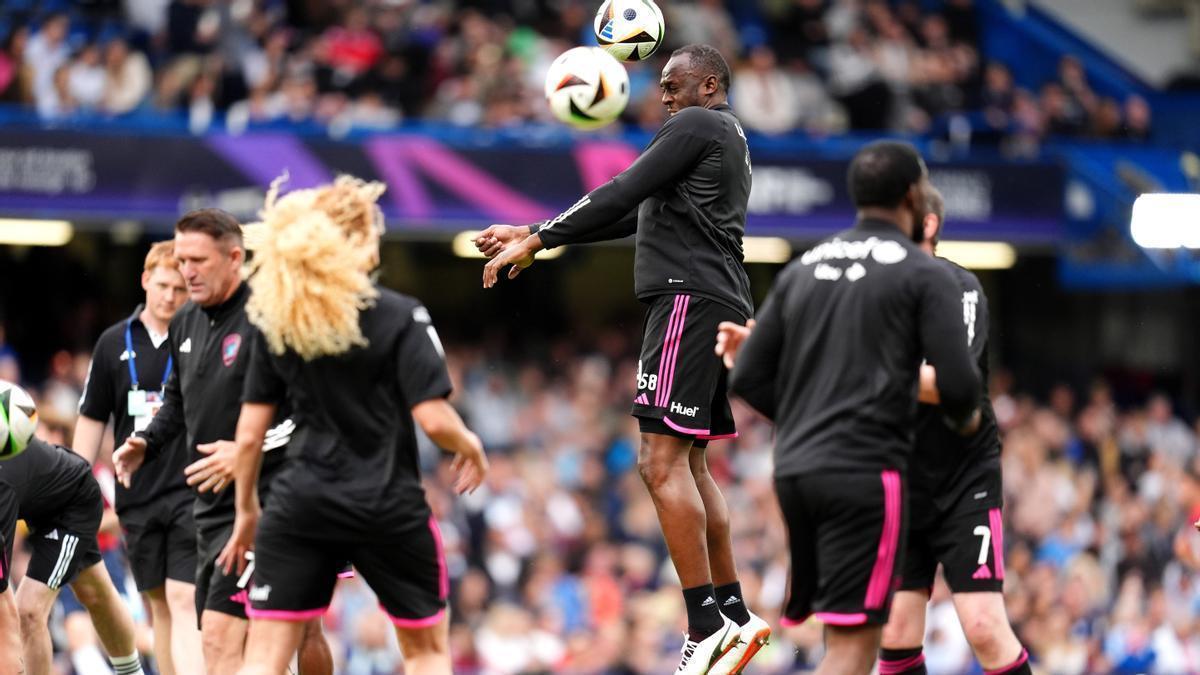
(441, 423)
(253, 423)
(605, 213)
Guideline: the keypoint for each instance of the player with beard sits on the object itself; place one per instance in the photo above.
(833, 360)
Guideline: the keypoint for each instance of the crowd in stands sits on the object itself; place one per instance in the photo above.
(818, 66)
(558, 564)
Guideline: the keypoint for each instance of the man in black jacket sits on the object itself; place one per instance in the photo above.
(210, 340)
(685, 197)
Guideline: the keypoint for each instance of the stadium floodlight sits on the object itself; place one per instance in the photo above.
(463, 246)
(31, 232)
(766, 249)
(1165, 220)
(979, 255)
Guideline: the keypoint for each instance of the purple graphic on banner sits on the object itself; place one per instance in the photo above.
(472, 184)
(265, 157)
(391, 159)
(598, 161)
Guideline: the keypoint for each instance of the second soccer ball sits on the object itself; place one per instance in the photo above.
(630, 30)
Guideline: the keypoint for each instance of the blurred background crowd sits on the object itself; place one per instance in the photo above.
(819, 66)
(558, 565)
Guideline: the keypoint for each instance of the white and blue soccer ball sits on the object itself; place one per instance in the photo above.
(18, 420)
(630, 30)
(586, 87)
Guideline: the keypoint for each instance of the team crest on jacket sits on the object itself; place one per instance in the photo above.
(229, 348)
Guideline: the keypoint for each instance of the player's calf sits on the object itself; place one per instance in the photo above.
(849, 650)
(903, 635)
(985, 624)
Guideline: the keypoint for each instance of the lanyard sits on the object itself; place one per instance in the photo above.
(129, 359)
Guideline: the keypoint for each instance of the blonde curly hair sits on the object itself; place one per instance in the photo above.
(310, 273)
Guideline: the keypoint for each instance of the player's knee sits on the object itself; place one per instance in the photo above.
(181, 599)
(31, 616)
(983, 631)
(654, 469)
(220, 641)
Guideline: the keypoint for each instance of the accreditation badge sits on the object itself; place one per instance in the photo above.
(146, 405)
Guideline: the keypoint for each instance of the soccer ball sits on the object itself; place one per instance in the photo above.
(18, 419)
(586, 87)
(630, 30)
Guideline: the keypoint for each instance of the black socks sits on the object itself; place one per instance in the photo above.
(729, 597)
(704, 617)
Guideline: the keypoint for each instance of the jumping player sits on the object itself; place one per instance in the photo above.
(129, 370)
(685, 197)
(361, 367)
(209, 340)
(833, 361)
(955, 498)
(59, 499)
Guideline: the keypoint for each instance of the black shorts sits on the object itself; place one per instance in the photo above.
(65, 543)
(215, 590)
(160, 538)
(681, 382)
(967, 539)
(846, 538)
(295, 572)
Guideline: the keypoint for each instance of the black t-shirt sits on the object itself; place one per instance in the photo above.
(106, 394)
(946, 464)
(211, 350)
(45, 479)
(8, 532)
(686, 198)
(352, 465)
(834, 358)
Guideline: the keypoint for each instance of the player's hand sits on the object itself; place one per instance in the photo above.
(128, 458)
(519, 256)
(471, 465)
(245, 526)
(730, 337)
(496, 238)
(215, 472)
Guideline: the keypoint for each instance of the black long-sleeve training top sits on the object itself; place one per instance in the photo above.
(686, 198)
(946, 462)
(211, 349)
(835, 357)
